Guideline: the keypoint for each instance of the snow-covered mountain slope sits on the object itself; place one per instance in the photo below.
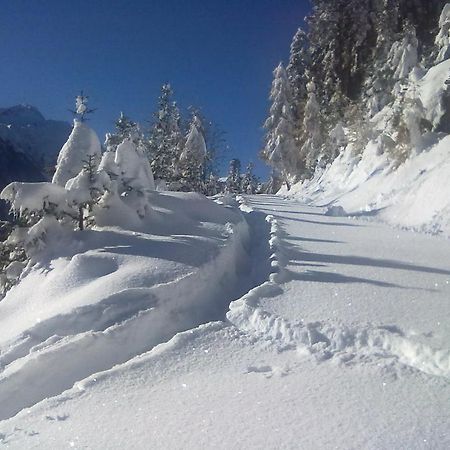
(414, 194)
(344, 345)
(27, 129)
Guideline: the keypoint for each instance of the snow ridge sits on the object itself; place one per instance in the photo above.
(131, 321)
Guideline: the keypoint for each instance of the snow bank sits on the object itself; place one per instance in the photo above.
(33, 197)
(414, 195)
(105, 295)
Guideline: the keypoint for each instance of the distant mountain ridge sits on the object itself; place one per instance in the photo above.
(29, 144)
(28, 131)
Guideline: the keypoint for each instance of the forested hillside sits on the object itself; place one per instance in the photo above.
(354, 76)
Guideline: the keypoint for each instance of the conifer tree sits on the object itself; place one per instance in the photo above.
(193, 157)
(442, 41)
(165, 139)
(299, 62)
(312, 136)
(233, 183)
(280, 150)
(249, 181)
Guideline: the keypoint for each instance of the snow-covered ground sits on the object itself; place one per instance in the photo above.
(341, 342)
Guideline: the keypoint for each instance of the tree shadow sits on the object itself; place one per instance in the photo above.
(317, 222)
(304, 239)
(336, 278)
(300, 257)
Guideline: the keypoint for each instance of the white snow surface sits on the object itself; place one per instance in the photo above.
(338, 337)
(82, 142)
(415, 195)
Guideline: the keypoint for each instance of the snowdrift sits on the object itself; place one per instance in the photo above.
(108, 294)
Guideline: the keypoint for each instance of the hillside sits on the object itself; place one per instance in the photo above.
(370, 184)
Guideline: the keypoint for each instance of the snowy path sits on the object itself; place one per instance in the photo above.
(359, 288)
(347, 346)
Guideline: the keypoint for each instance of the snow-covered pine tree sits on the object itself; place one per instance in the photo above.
(192, 158)
(311, 150)
(125, 129)
(249, 181)
(78, 161)
(403, 55)
(299, 62)
(233, 183)
(12, 257)
(165, 139)
(83, 144)
(378, 84)
(442, 41)
(86, 189)
(212, 186)
(215, 141)
(135, 179)
(280, 150)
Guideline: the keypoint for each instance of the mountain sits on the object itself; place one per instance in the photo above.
(29, 145)
(29, 132)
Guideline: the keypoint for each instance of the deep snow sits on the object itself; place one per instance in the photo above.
(342, 343)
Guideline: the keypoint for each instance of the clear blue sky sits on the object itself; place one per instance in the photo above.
(217, 54)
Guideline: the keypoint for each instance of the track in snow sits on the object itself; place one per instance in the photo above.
(353, 290)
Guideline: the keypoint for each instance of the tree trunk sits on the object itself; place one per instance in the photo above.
(80, 218)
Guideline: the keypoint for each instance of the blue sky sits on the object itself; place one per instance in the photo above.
(217, 54)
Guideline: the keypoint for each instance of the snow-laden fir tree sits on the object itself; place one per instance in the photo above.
(249, 181)
(125, 129)
(233, 183)
(403, 56)
(442, 40)
(192, 159)
(77, 164)
(311, 150)
(83, 144)
(166, 138)
(299, 61)
(280, 150)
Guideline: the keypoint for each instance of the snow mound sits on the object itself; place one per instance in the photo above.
(108, 294)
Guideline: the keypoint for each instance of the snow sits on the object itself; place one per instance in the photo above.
(337, 336)
(82, 143)
(32, 197)
(194, 151)
(415, 195)
(134, 166)
(443, 39)
(431, 88)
